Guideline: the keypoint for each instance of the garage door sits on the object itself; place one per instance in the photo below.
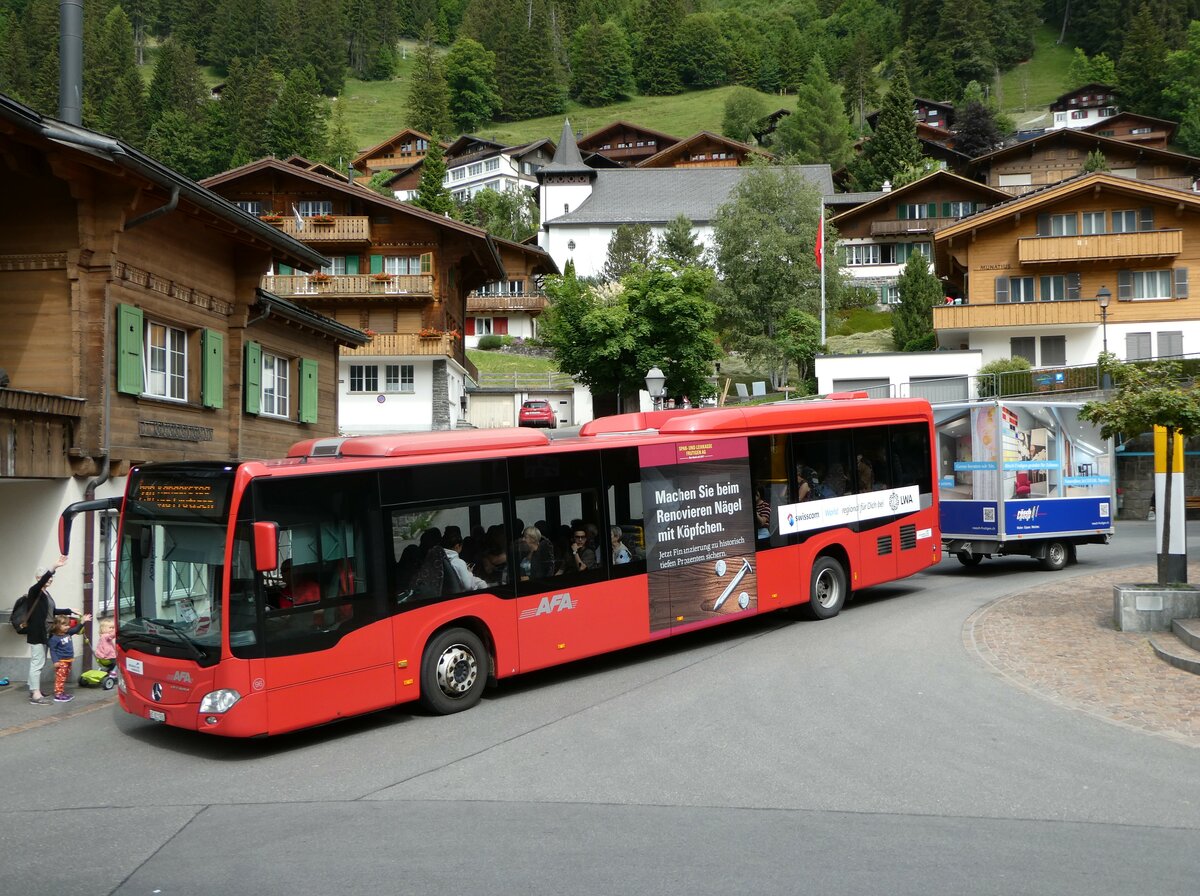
(940, 388)
(875, 388)
(488, 411)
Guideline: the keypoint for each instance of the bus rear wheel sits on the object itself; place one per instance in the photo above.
(827, 589)
(454, 672)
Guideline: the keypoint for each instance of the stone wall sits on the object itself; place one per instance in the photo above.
(1135, 478)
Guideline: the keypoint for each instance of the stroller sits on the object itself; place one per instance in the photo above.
(104, 677)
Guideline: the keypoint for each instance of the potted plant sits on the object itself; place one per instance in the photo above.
(322, 277)
(381, 277)
(322, 219)
(271, 218)
(430, 333)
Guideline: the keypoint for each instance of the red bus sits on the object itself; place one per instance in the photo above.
(359, 573)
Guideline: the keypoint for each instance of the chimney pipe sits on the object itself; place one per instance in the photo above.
(70, 61)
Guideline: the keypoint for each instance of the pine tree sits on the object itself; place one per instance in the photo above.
(1141, 65)
(631, 244)
(657, 59)
(321, 43)
(114, 92)
(912, 319)
(744, 109)
(1095, 162)
(340, 148)
(432, 194)
(679, 244)
(296, 123)
(601, 67)
(429, 97)
(818, 131)
(39, 28)
(177, 139)
(471, 80)
(533, 82)
(964, 38)
(894, 145)
(177, 83)
(237, 127)
(975, 130)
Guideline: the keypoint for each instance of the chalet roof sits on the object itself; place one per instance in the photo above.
(526, 148)
(599, 134)
(111, 151)
(567, 159)
(656, 195)
(539, 259)
(1081, 184)
(470, 143)
(397, 137)
(852, 200)
(1084, 140)
(946, 179)
(671, 152)
(1090, 87)
(362, 194)
(1164, 123)
(270, 305)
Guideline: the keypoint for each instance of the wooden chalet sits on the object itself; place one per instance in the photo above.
(705, 150)
(1131, 127)
(1084, 106)
(511, 306)
(397, 153)
(1060, 154)
(624, 142)
(393, 269)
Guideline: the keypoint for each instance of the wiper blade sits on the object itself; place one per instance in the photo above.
(183, 638)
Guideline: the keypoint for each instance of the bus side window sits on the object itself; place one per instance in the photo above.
(623, 509)
(770, 487)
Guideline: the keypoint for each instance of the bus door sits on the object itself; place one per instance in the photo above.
(323, 655)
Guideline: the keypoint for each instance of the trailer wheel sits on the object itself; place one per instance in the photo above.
(969, 559)
(454, 671)
(1056, 556)
(827, 589)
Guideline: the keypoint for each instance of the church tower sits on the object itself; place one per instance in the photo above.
(564, 184)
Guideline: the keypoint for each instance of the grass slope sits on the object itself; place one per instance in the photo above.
(1026, 91)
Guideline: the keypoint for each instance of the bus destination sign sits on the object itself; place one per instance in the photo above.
(182, 496)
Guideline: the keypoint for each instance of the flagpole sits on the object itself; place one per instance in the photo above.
(821, 259)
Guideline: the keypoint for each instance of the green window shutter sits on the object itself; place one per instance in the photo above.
(129, 349)
(931, 210)
(427, 263)
(212, 375)
(252, 388)
(286, 270)
(351, 264)
(308, 390)
(376, 264)
(945, 209)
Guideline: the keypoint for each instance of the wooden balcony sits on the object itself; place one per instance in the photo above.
(418, 286)
(343, 229)
(530, 302)
(37, 430)
(899, 228)
(1016, 314)
(399, 344)
(1100, 247)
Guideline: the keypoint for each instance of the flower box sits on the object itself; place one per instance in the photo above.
(321, 278)
(271, 219)
(430, 333)
(322, 219)
(381, 278)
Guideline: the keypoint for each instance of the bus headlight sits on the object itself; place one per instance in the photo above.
(219, 701)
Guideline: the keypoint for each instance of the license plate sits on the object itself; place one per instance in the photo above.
(156, 716)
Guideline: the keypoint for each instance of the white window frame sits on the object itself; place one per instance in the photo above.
(276, 380)
(491, 164)
(1089, 223)
(862, 254)
(1064, 225)
(250, 206)
(364, 378)
(475, 169)
(1021, 290)
(1125, 220)
(310, 207)
(400, 265)
(399, 378)
(483, 326)
(163, 379)
(1152, 286)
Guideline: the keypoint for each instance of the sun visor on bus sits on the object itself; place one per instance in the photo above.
(414, 443)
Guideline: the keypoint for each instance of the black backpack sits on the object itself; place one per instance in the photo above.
(21, 612)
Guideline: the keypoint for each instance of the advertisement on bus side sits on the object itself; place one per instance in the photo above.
(700, 558)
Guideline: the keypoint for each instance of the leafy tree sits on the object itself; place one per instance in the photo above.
(1182, 91)
(511, 214)
(340, 148)
(380, 183)
(912, 319)
(894, 144)
(1150, 395)
(818, 131)
(800, 340)
(471, 79)
(744, 109)
(1142, 64)
(679, 244)
(296, 123)
(703, 51)
(1095, 162)
(910, 173)
(657, 57)
(630, 244)
(764, 238)
(428, 97)
(609, 339)
(601, 66)
(432, 193)
(976, 132)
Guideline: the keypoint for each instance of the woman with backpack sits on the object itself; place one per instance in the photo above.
(41, 611)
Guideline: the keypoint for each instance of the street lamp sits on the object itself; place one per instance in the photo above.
(1103, 297)
(655, 380)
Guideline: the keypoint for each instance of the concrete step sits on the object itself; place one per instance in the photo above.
(1170, 647)
(1188, 631)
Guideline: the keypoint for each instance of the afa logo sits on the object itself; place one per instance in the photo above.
(555, 603)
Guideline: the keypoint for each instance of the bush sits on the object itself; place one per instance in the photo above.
(491, 342)
(926, 343)
(1005, 376)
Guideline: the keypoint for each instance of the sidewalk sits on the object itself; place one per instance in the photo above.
(17, 714)
(1059, 642)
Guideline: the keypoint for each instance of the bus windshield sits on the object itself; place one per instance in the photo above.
(172, 563)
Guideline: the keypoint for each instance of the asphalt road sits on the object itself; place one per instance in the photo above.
(871, 753)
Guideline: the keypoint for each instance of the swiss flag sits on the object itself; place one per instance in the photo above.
(819, 247)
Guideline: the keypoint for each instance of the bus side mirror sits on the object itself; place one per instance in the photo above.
(73, 510)
(266, 546)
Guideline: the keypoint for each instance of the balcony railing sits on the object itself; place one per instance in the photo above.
(1015, 314)
(445, 345)
(1100, 246)
(415, 285)
(506, 302)
(342, 229)
(920, 225)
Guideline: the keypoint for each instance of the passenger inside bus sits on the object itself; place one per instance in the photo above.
(464, 578)
(537, 555)
(300, 586)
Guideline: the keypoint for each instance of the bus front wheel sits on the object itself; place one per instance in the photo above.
(827, 589)
(454, 672)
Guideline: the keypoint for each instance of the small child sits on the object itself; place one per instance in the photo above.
(62, 652)
(106, 644)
